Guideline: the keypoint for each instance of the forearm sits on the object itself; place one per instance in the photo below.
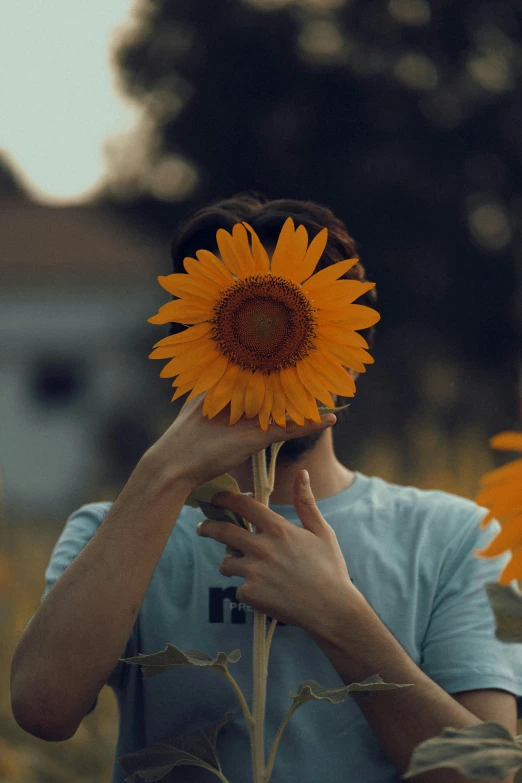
(81, 628)
(361, 646)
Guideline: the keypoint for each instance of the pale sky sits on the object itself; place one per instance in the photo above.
(57, 96)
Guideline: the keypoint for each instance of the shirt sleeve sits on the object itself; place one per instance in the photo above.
(78, 531)
(460, 650)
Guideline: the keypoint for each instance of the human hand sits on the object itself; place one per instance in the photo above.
(199, 449)
(293, 574)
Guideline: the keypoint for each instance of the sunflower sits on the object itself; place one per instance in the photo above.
(501, 492)
(265, 334)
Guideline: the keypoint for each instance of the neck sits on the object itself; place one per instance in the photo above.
(327, 475)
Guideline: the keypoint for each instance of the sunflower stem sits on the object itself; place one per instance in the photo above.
(274, 451)
(268, 642)
(261, 493)
(263, 486)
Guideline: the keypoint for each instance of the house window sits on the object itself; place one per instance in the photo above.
(57, 382)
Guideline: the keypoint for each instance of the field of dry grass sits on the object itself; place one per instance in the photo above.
(85, 758)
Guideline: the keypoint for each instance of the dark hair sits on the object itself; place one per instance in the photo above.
(266, 217)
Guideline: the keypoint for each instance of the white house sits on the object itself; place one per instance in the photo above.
(78, 284)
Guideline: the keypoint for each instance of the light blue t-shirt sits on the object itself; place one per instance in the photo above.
(408, 551)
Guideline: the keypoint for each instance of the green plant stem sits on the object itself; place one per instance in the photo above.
(261, 493)
(268, 641)
(259, 700)
(270, 765)
(217, 773)
(274, 451)
(239, 693)
(263, 486)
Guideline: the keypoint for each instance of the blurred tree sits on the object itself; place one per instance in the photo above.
(10, 184)
(403, 116)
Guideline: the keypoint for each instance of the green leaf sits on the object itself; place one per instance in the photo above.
(323, 409)
(210, 488)
(506, 603)
(486, 751)
(171, 657)
(196, 748)
(220, 514)
(202, 497)
(310, 690)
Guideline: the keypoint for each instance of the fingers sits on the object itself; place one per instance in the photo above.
(293, 430)
(305, 505)
(255, 512)
(234, 566)
(227, 533)
(277, 434)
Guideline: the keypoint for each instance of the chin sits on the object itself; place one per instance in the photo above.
(292, 450)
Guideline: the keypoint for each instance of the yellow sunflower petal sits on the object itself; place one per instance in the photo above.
(296, 415)
(509, 537)
(348, 356)
(169, 351)
(278, 400)
(338, 379)
(338, 333)
(283, 248)
(294, 389)
(189, 334)
(240, 239)
(328, 275)
(313, 254)
(183, 311)
(314, 382)
(347, 290)
(188, 376)
(231, 255)
(181, 390)
(506, 473)
(499, 490)
(187, 285)
(290, 251)
(255, 394)
(497, 496)
(220, 395)
(213, 268)
(201, 272)
(312, 411)
(486, 520)
(205, 351)
(266, 407)
(211, 375)
(513, 569)
(507, 441)
(188, 360)
(237, 405)
(259, 254)
(352, 316)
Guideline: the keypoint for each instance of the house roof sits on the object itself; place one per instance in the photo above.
(80, 243)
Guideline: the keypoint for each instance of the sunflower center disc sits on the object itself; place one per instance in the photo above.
(264, 322)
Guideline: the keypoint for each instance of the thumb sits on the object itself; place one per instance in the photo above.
(305, 505)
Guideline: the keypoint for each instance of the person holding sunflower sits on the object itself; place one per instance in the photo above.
(363, 576)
